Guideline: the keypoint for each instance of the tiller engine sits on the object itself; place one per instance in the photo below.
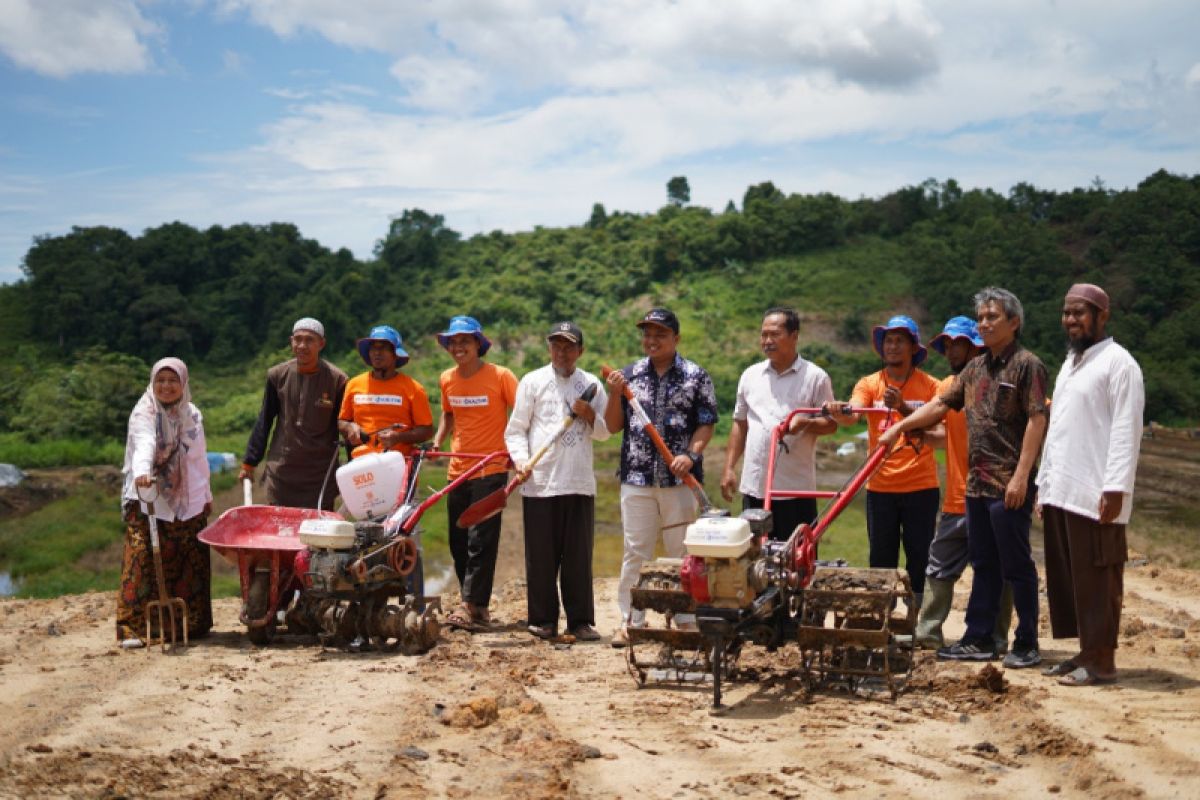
(352, 571)
(743, 588)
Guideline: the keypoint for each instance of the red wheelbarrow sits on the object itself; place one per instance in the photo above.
(262, 541)
(345, 589)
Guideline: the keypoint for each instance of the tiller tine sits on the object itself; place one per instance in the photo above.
(848, 625)
(667, 654)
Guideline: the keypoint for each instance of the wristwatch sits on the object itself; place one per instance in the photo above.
(693, 455)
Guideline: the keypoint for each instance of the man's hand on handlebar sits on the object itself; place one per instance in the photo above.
(352, 433)
(388, 436)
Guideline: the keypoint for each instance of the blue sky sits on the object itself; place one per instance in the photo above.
(338, 115)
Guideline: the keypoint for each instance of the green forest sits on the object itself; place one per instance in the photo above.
(97, 305)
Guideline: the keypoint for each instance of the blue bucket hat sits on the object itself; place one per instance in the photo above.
(901, 322)
(957, 328)
(383, 333)
(465, 324)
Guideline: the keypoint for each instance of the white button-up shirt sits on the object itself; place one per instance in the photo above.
(1095, 432)
(764, 398)
(544, 400)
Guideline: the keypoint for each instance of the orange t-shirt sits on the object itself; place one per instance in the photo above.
(480, 406)
(904, 470)
(954, 498)
(372, 404)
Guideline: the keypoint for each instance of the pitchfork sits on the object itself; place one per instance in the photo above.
(165, 605)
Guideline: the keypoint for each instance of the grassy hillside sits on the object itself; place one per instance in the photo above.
(98, 305)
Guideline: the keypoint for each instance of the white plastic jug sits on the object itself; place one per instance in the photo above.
(371, 484)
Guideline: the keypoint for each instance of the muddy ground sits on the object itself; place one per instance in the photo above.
(502, 714)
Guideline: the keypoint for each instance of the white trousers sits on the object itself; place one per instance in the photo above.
(647, 511)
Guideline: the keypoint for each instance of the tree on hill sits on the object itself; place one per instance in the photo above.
(224, 296)
(678, 191)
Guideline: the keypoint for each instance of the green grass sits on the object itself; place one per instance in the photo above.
(60, 548)
(47, 551)
(17, 449)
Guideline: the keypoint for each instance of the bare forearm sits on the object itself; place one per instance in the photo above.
(818, 426)
(1031, 445)
(929, 414)
(445, 428)
(614, 414)
(416, 435)
(701, 438)
(737, 443)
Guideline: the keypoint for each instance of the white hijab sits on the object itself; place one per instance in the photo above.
(176, 428)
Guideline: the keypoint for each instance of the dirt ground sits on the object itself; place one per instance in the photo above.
(502, 714)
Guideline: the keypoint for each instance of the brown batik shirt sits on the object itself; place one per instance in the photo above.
(999, 395)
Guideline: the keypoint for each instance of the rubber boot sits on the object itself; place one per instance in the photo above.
(935, 607)
(1003, 620)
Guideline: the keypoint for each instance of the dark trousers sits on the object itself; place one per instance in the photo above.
(1085, 578)
(902, 517)
(559, 532)
(998, 540)
(474, 549)
(786, 515)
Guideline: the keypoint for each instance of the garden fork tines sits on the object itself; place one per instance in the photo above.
(165, 606)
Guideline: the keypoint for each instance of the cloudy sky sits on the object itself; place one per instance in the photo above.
(339, 114)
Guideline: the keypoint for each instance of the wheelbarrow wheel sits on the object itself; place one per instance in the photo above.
(258, 600)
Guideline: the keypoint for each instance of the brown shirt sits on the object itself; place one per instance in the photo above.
(303, 410)
(999, 396)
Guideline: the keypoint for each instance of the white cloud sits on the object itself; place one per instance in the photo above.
(514, 113)
(540, 44)
(66, 37)
(447, 85)
(1193, 76)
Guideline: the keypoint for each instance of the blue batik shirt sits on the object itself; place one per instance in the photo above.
(677, 403)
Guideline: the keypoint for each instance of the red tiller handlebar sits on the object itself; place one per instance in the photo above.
(801, 550)
(428, 502)
(781, 430)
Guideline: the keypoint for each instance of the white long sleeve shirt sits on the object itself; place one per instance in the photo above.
(1095, 432)
(544, 400)
(139, 460)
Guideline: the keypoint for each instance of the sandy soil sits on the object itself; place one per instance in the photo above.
(503, 714)
(500, 713)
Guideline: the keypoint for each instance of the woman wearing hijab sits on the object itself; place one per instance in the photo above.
(165, 463)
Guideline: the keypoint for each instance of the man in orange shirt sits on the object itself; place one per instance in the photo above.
(476, 400)
(959, 342)
(384, 399)
(902, 497)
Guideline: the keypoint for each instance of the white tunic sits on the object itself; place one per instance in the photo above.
(764, 398)
(544, 400)
(1095, 432)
